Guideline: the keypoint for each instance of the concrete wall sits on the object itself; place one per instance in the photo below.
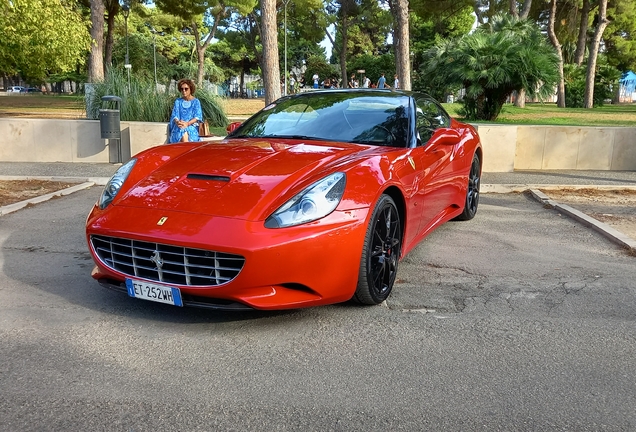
(44, 140)
(506, 148)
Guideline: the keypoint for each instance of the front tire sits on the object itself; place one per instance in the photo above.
(472, 192)
(380, 253)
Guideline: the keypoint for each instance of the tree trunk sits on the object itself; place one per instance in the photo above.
(200, 54)
(343, 50)
(254, 24)
(112, 9)
(243, 90)
(200, 50)
(400, 11)
(579, 54)
(514, 11)
(588, 101)
(513, 8)
(525, 11)
(270, 65)
(202, 47)
(616, 99)
(557, 45)
(108, 47)
(95, 57)
(520, 100)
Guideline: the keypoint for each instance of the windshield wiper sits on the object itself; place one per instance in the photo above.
(301, 137)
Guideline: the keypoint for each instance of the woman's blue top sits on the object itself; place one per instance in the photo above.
(185, 110)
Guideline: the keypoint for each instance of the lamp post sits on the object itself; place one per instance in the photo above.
(126, 11)
(154, 51)
(154, 54)
(285, 90)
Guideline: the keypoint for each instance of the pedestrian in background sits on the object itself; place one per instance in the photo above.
(382, 82)
(396, 82)
(186, 114)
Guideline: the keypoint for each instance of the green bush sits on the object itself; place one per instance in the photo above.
(373, 66)
(144, 103)
(505, 55)
(316, 64)
(575, 85)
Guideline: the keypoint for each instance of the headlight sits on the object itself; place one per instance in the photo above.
(115, 183)
(315, 202)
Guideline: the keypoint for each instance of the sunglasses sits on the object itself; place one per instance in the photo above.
(184, 89)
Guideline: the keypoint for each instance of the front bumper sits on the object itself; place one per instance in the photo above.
(308, 265)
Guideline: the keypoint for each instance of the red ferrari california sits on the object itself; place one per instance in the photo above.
(313, 200)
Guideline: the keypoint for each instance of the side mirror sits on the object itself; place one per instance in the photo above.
(445, 136)
(232, 127)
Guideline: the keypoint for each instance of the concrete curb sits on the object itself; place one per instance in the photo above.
(101, 181)
(19, 205)
(511, 188)
(611, 233)
(604, 229)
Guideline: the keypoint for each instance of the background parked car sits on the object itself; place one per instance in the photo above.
(15, 89)
(31, 90)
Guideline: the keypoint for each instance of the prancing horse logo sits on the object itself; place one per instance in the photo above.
(156, 259)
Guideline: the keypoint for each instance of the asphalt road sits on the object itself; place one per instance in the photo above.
(521, 319)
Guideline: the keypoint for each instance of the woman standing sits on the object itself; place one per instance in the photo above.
(186, 114)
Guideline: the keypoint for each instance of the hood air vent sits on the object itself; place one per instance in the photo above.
(208, 177)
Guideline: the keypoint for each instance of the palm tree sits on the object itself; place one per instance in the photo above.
(506, 55)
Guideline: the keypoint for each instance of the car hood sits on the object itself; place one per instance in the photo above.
(239, 178)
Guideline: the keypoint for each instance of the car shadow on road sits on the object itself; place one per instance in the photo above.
(45, 263)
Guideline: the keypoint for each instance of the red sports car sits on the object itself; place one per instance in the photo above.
(311, 201)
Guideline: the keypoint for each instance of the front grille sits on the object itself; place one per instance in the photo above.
(166, 263)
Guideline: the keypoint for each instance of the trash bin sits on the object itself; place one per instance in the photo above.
(109, 118)
(109, 123)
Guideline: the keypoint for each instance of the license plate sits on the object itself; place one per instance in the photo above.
(154, 292)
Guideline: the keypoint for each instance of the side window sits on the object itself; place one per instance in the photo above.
(429, 117)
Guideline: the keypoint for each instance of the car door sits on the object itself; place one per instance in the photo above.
(435, 183)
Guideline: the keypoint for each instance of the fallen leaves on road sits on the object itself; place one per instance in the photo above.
(12, 191)
(616, 208)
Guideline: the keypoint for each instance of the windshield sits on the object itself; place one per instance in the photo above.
(355, 116)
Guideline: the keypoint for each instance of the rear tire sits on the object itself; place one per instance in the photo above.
(380, 253)
(472, 192)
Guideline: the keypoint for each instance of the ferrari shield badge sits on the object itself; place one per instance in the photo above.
(162, 220)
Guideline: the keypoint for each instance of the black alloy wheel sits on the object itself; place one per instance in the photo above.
(472, 192)
(380, 254)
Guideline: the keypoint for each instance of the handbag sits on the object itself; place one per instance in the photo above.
(204, 128)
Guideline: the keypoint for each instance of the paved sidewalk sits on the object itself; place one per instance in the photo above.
(56, 170)
(527, 179)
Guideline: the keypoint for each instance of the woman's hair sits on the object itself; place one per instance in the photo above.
(189, 83)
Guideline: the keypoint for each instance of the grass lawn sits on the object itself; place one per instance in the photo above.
(549, 114)
(42, 106)
(50, 106)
